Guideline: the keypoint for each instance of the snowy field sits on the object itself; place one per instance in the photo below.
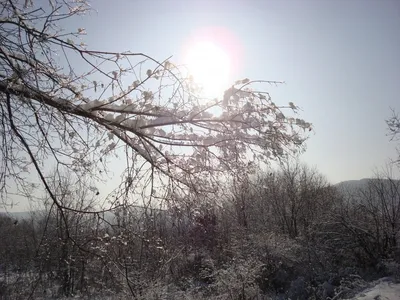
(384, 289)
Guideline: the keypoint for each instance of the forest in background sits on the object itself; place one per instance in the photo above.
(281, 234)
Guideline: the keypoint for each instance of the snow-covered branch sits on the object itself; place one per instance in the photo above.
(88, 105)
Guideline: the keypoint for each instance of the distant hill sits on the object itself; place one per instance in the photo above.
(109, 216)
(18, 215)
(352, 186)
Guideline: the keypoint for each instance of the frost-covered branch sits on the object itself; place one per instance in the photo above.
(393, 124)
(77, 107)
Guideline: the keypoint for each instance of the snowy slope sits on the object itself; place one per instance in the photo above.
(383, 290)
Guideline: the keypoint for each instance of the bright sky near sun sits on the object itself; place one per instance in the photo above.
(340, 61)
(209, 65)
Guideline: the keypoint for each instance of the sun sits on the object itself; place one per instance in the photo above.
(210, 67)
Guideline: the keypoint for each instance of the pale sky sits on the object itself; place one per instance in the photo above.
(340, 61)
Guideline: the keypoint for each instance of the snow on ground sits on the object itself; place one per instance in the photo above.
(384, 289)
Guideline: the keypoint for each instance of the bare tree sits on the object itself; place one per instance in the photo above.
(365, 225)
(298, 197)
(393, 124)
(381, 208)
(66, 105)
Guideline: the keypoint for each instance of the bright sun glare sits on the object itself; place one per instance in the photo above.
(210, 67)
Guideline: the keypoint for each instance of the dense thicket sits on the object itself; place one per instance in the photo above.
(283, 233)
